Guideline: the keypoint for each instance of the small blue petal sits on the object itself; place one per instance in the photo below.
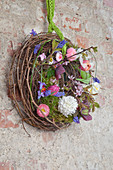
(61, 44)
(59, 94)
(47, 93)
(33, 32)
(36, 48)
(39, 95)
(76, 119)
(95, 79)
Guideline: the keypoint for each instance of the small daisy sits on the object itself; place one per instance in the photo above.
(51, 61)
(44, 108)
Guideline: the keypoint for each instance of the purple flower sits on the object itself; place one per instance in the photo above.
(95, 79)
(47, 93)
(78, 93)
(59, 94)
(61, 44)
(76, 119)
(36, 48)
(40, 94)
(41, 90)
(41, 85)
(33, 32)
(59, 70)
(87, 117)
(79, 88)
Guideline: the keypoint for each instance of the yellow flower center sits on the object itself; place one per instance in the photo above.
(96, 88)
(43, 110)
(91, 90)
(50, 59)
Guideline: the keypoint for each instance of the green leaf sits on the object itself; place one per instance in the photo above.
(95, 49)
(70, 119)
(91, 106)
(85, 112)
(54, 45)
(53, 92)
(85, 75)
(50, 72)
(96, 105)
(56, 49)
(86, 81)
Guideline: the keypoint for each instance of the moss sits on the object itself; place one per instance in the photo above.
(52, 102)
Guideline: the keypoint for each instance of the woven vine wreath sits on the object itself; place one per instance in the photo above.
(52, 82)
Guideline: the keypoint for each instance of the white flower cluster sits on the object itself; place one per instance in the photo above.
(67, 105)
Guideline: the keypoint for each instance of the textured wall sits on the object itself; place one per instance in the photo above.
(88, 145)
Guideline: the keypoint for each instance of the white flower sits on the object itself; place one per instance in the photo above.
(66, 63)
(59, 56)
(78, 51)
(71, 77)
(95, 88)
(51, 61)
(67, 105)
(84, 65)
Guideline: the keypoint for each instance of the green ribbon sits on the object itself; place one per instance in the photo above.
(52, 27)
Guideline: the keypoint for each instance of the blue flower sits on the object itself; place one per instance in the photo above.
(36, 48)
(47, 93)
(59, 94)
(40, 94)
(76, 119)
(95, 79)
(33, 32)
(61, 44)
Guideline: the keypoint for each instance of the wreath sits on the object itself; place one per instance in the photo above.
(53, 82)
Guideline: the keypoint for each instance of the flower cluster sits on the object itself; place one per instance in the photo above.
(66, 82)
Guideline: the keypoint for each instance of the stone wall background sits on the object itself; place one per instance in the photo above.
(88, 145)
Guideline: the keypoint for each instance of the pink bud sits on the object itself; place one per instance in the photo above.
(54, 88)
(85, 66)
(44, 108)
(59, 56)
(71, 51)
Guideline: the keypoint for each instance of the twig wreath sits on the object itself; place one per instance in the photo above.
(52, 81)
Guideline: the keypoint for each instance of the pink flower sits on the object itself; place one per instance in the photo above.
(42, 56)
(71, 51)
(59, 56)
(54, 88)
(44, 108)
(85, 65)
